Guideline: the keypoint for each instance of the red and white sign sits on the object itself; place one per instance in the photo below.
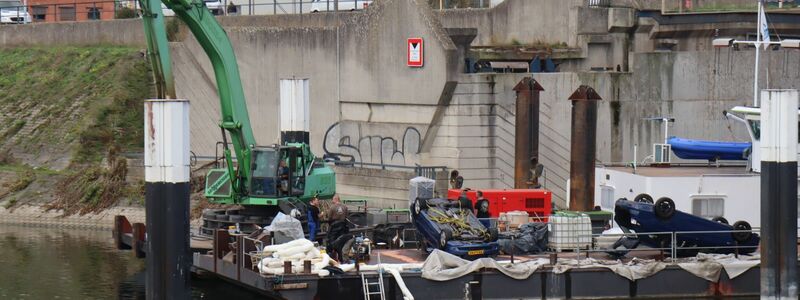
(416, 52)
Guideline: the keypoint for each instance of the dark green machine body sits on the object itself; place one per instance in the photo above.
(252, 180)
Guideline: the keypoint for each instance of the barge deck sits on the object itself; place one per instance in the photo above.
(218, 258)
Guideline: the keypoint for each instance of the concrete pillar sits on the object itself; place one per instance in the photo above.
(583, 149)
(166, 162)
(779, 194)
(526, 148)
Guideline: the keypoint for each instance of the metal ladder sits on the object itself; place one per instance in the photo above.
(367, 284)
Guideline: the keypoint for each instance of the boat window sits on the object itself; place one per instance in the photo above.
(755, 125)
(708, 207)
(607, 197)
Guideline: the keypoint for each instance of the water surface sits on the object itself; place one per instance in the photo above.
(47, 263)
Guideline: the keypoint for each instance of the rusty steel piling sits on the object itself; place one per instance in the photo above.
(526, 149)
(583, 149)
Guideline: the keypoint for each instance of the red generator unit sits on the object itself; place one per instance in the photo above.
(538, 203)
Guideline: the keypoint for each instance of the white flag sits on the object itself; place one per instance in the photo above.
(762, 26)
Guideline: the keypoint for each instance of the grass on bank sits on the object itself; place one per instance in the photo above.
(84, 103)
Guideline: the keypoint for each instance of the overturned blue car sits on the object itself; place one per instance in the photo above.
(656, 224)
(444, 225)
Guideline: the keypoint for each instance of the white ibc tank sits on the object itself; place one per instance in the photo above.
(568, 231)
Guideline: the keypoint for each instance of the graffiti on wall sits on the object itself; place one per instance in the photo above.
(346, 143)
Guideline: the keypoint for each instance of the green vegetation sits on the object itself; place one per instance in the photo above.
(172, 28)
(13, 129)
(125, 13)
(79, 105)
(94, 188)
(74, 100)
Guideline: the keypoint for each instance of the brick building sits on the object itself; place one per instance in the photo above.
(71, 10)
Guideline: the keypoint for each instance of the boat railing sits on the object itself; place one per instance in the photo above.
(669, 243)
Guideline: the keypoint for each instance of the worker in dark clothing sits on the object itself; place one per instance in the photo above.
(482, 207)
(313, 218)
(283, 172)
(464, 201)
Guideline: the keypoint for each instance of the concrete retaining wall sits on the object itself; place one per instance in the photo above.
(370, 76)
(525, 21)
(37, 216)
(383, 188)
(127, 32)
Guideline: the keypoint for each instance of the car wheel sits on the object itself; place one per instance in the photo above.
(720, 219)
(664, 208)
(643, 198)
(742, 236)
(445, 235)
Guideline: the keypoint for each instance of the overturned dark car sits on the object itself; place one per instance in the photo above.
(692, 234)
(443, 225)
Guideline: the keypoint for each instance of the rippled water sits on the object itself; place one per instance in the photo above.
(45, 263)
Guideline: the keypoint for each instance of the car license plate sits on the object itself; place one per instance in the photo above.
(475, 252)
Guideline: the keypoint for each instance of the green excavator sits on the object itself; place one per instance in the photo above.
(263, 180)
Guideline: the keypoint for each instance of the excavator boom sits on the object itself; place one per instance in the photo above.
(214, 41)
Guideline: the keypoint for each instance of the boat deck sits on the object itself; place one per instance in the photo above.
(685, 170)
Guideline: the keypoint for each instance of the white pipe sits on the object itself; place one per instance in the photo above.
(758, 52)
(746, 125)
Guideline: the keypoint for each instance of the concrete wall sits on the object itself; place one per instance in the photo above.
(383, 188)
(128, 32)
(526, 21)
(376, 85)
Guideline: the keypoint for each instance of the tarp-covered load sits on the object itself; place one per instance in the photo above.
(530, 239)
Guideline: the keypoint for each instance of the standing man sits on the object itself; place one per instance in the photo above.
(338, 234)
(482, 206)
(464, 201)
(338, 211)
(313, 218)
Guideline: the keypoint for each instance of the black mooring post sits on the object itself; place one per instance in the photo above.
(779, 194)
(167, 199)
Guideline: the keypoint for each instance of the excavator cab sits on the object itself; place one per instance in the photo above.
(277, 172)
(265, 180)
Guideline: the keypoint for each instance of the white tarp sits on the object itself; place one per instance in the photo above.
(287, 226)
(709, 266)
(443, 266)
(633, 270)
